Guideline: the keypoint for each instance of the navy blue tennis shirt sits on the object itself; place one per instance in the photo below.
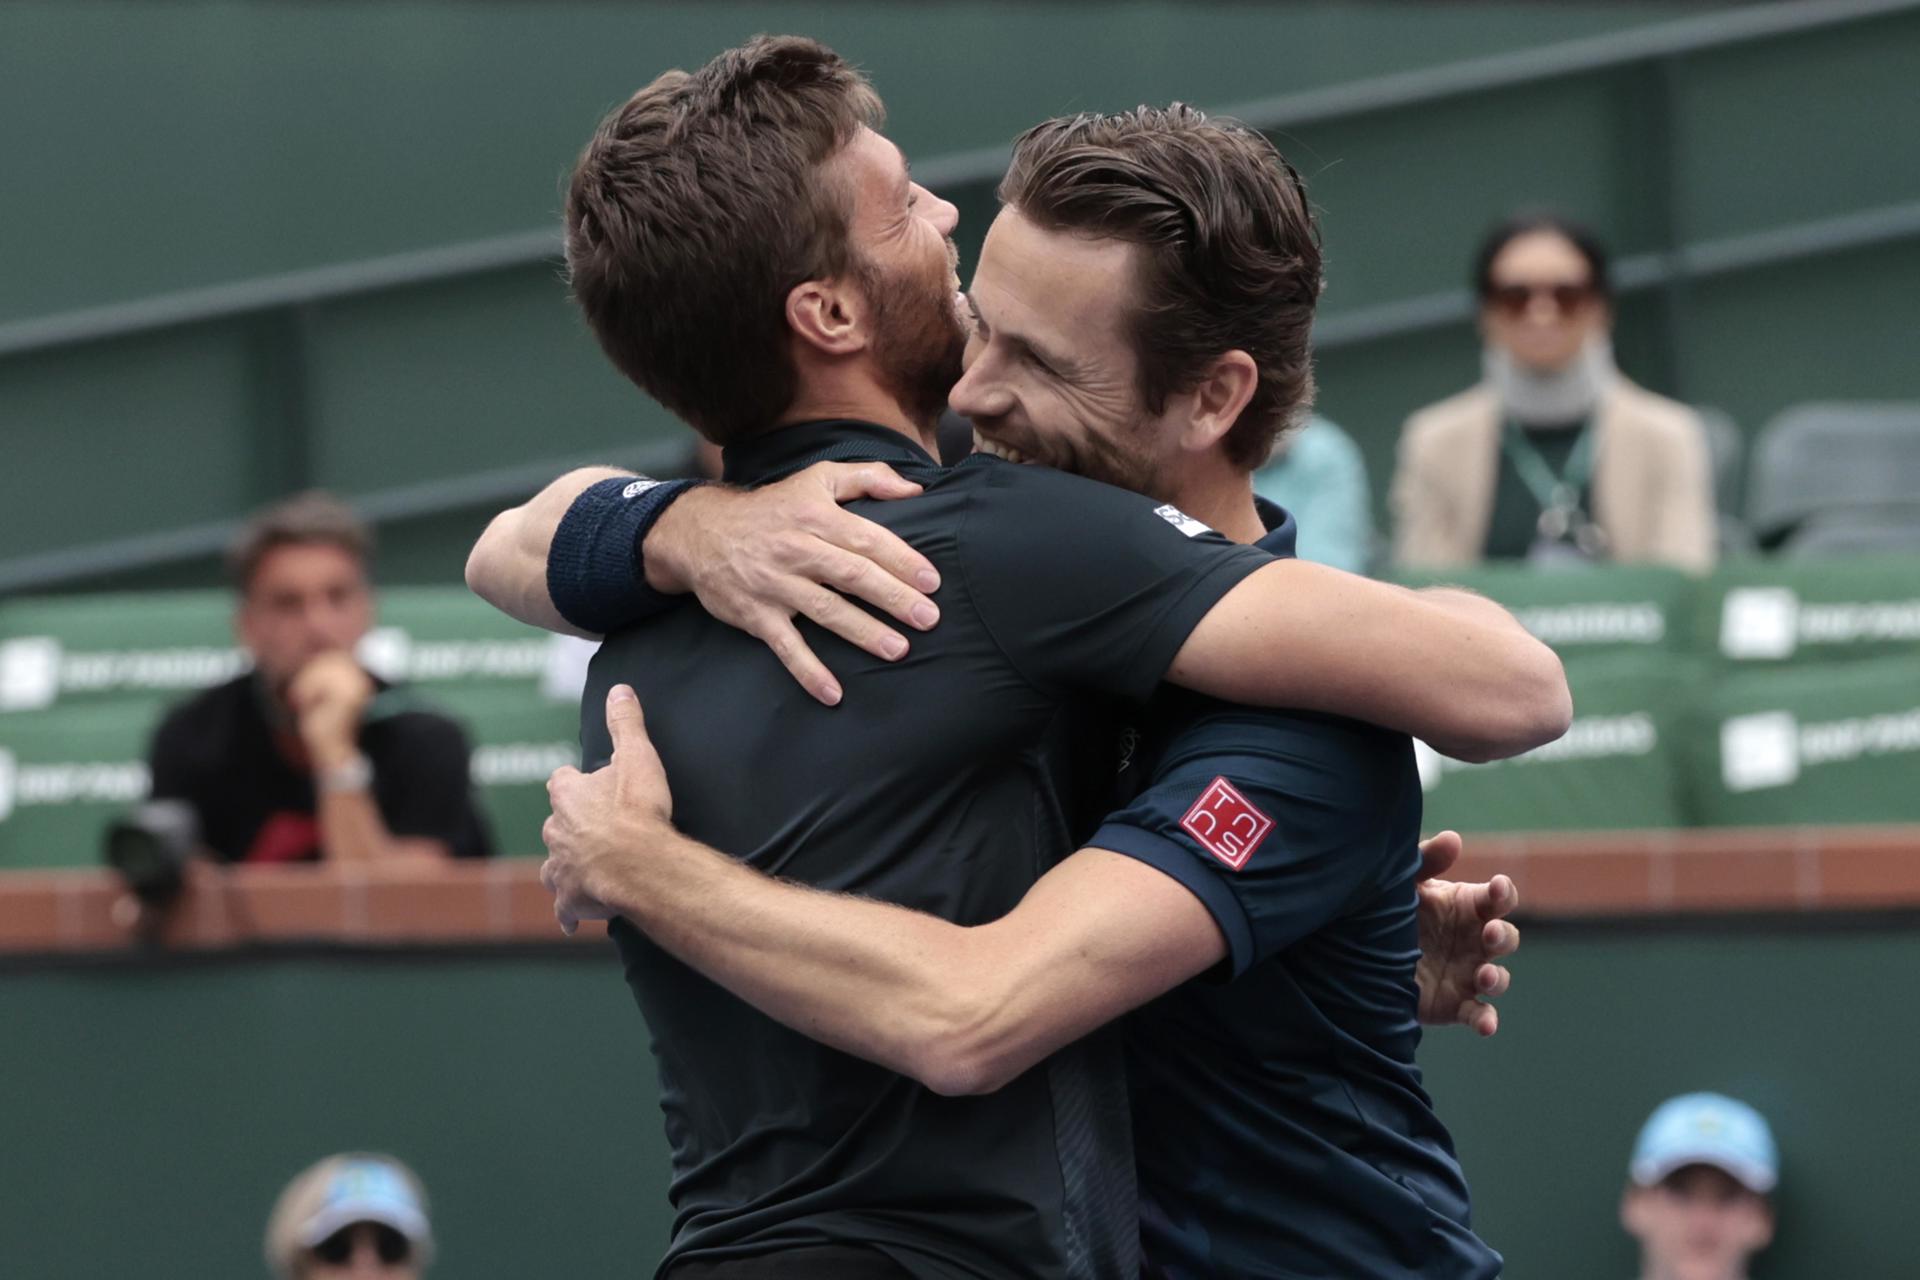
(948, 782)
(1280, 1125)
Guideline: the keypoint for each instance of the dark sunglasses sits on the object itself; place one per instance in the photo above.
(1514, 299)
(337, 1249)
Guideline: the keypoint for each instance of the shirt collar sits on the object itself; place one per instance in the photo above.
(791, 448)
(1281, 530)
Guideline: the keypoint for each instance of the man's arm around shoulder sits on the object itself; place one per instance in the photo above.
(1445, 665)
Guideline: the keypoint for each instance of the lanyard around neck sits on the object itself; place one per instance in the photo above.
(1554, 492)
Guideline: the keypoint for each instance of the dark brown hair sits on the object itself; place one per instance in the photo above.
(1230, 256)
(694, 211)
(1584, 241)
(305, 518)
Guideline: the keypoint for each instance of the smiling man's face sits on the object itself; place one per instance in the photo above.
(1051, 375)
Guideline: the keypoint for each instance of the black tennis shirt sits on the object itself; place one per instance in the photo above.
(218, 752)
(948, 782)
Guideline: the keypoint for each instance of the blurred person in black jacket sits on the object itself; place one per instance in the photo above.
(310, 756)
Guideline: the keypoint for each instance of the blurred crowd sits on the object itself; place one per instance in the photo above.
(1698, 1202)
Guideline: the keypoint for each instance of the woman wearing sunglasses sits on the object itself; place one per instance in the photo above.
(1555, 456)
(351, 1217)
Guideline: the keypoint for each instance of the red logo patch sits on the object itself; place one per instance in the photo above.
(1226, 824)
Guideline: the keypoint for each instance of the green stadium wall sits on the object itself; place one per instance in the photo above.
(193, 144)
(517, 1081)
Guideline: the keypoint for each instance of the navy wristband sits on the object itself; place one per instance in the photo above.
(596, 576)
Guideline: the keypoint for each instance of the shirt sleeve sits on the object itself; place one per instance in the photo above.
(1277, 823)
(421, 781)
(1085, 586)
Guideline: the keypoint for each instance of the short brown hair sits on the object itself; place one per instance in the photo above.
(308, 517)
(1230, 256)
(694, 211)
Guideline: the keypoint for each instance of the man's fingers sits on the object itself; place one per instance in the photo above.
(1483, 1018)
(1501, 899)
(778, 633)
(547, 875)
(560, 777)
(1438, 853)
(1491, 981)
(886, 588)
(851, 623)
(882, 546)
(1499, 938)
(849, 480)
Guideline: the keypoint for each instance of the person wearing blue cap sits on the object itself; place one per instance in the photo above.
(1698, 1197)
(355, 1216)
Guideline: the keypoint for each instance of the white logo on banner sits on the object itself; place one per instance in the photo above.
(1759, 750)
(29, 673)
(1625, 622)
(393, 654)
(507, 763)
(1588, 738)
(1771, 622)
(1760, 622)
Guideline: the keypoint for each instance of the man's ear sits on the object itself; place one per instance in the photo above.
(1224, 390)
(1633, 1215)
(828, 315)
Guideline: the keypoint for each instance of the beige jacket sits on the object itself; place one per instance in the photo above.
(1652, 480)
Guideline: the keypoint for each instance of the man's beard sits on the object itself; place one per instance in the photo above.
(918, 339)
(1121, 456)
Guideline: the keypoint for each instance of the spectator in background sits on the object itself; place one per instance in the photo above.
(1697, 1198)
(354, 1215)
(308, 755)
(1318, 475)
(1555, 456)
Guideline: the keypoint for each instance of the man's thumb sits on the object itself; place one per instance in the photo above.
(626, 724)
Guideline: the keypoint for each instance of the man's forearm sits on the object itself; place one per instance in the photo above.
(508, 565)
(352, 830)
(869, 978)
(1447, 666)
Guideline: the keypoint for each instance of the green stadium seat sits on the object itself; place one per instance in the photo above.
(1595, 610)
(153, 647)
(519, 738)
(1772, 612)
(442, 637)
(85, 679)
(1816, 460)
(1616, 767)
(65, 773)
(1831, 743)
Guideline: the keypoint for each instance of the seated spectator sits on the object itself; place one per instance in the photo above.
(308, 755)
(1697, 1199)
(1318, 475)
(350, 1216)
(1555, 456)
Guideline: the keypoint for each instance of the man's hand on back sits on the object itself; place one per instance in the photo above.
(1463, 932)
(758, 559)
(605, 823)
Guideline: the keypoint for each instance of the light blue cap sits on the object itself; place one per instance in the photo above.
(1711, 1129)
(367, 1190)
